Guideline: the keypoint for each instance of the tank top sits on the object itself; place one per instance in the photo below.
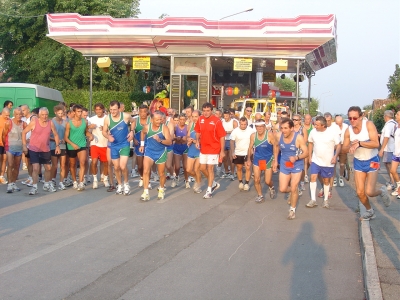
(119, 130)
(309, 129)
(60, 128)
(228, 126)
(139, 128)
(181, 132)
(152, 145)
(362, 153)
(40, 137)
(262, 148)
(14, 137)
(290, 149)
(77, 134)
(193, 150)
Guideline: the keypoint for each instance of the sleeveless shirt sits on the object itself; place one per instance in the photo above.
(362, 153)
(40, 137)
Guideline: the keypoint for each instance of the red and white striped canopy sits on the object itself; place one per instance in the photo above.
(305, 37)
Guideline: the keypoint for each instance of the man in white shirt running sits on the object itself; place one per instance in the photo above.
(323, 149)
(387, 145)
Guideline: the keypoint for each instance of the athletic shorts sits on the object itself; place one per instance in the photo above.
(297, 168)
(396, 158)
(325, 172)
(367, 166)
(2, 150)
(99, 152)
(170, 148)
(43, 158)
(209, 159)
(117, 152)
(158, 158)
(227, 145)
(137, 152)
(387, 157)
(63, 152)
(240, 159)
(342, 158)
(268, 163)
(15, 153)
(74, 153)
(193, 152)
(180, 149)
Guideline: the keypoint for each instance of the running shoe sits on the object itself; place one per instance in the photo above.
(16, 188)
(127, 189)
(389, 186)
(306, 179)
(3, 180)
(46, 187)
(302, 186)
(368, 215)
(52, 189)
(321, 193)
(218, 171)
(119, 190)
(61, 186)
(292, 214)
(156, 177)
(141, 182)
(341, 181)
(385, 197)
(95, 184)
(334, 182)
(226, 175)
(246, 187)
(67, 182)
(24, 167)
(175, 181)
(33, 191)
(145, 197)
(10, 188)
(187, 184)
(288, 196)
(312, 204)
(81, 186)
(272, 192)
(53, 182)
(149, 186)
(134, 173)
(41, 180)
(26, 181)
(299, 191)
(325, 204)
(111, 188)
(84, 181)
(88, 180)
(191, 179)
(161, 194)
(259, 199)
(75, 185)
(207, 195)
(241, 185)
(106, 182)
(196, 189)
(215, 187)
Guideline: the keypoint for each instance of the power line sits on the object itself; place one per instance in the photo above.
(25, 17)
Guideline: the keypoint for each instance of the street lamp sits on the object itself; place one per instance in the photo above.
(247, 10)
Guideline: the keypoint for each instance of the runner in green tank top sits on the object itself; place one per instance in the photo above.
(76, 132)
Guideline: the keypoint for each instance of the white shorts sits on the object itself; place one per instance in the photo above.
(209, 159)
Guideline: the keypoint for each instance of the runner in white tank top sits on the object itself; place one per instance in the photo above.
(361, 139)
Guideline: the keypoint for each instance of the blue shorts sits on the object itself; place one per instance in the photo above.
(297, 168)
(137, 152)
(227, 145)
(159, 157)
(269, 160)
(15, 153)
(117, 152)
(396, 158)
(367, 166)
(180, 149)
(325, 172)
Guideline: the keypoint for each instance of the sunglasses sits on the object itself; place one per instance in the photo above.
(353, 118)
(296, 119)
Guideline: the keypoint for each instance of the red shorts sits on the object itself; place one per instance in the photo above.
(98, 152)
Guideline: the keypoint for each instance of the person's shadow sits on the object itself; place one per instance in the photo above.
(309, 260)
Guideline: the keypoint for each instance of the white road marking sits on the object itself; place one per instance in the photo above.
(55, 247)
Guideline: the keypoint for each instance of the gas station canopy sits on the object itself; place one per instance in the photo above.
(309, 38)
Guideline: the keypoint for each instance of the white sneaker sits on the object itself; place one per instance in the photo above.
(61, 186)
(156, 177)
(174, 181)
(187, 184)
(385, 197)
(145, 197)
(241, 186)
(81, 186)
(134, 173)
(306, 178)
(75, 185)
(15, 188)
(246, 187)
(95, 184)
(161, 194)
(46, 186)
(149, 186)
(312, 204)
(341, 181)
(141, 182)
(87, 178)
(24, 167)
(127, 189)
(106, 182)
(52, 189)
(33, 191)
(334, 182)
(119, 190)
(10, 188)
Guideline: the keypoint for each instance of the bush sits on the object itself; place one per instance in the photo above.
(378, 119)
(139, 97)
(105, 97)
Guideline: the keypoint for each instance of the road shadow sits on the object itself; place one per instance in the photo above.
(309, 260)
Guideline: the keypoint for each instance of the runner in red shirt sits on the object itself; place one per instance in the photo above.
(210, 136)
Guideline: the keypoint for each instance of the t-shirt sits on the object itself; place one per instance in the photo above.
(388, 131)
(335, 129)
(342, 131)
(98, 139)
(324, 146)
(211, 131)
(242, 140)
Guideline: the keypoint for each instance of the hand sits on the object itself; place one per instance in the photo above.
(248, 163)
(197, 145)
(292, 159)
(221, 156)
(91, 138)
(275, 166)
(233, 156)
(333, 160)
(130, 136)
(57, 151)
(157, 138)
(135, 142)
(141, 149)
(75, 146)
(25, 149)
(110, 138)
(380, 153)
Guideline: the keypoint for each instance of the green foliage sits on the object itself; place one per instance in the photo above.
(139, 97)
(286, 84)
(29, 56)
(393, 84)
(82, 97)
(378, 120)
(303, 108)
(367, 107)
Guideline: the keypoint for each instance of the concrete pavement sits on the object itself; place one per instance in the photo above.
(94, 245)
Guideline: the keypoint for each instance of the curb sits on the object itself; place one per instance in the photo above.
(370, 270)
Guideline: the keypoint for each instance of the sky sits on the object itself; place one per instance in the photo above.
(368, 39)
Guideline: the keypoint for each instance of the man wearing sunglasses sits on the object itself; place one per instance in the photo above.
(361, 139)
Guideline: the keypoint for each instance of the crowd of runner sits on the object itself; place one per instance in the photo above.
(167, 145)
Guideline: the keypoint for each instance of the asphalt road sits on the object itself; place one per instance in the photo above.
(97, 245)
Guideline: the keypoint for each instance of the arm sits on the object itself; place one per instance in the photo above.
(88, 134)
(28, 128)
(56, 138)
(305, 134)
(105, 133)
(142, 137)
(168, 139)
(250, 151)
(300, 143)
(310, 151)
(127, 119)
(276, 151)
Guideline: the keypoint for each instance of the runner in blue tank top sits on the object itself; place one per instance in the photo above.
(158, 137)
(116, 130)
(193, 162)
(262, 146)
(293, 149)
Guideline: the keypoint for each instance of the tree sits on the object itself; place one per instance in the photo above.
(29, 56)
(367, 107)
(393, 84)
(286, 84)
